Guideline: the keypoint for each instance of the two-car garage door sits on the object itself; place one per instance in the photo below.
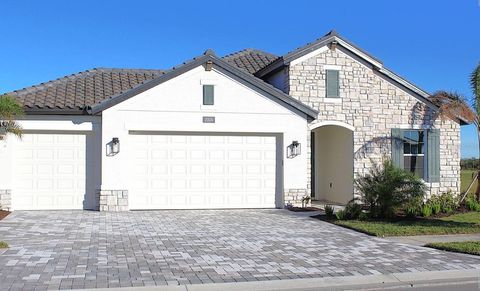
(194, 171)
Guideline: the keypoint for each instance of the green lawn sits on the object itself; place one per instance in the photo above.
(468, 247)
(466, 178)
(3, 245)
(458, 223)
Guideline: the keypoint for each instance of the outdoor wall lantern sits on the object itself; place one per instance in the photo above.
(295, 149)
(113, 147)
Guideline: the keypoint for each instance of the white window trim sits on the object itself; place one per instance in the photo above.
(425, 144)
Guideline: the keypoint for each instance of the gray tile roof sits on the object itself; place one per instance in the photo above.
(74, 93)
(77, 91)
(250, 60)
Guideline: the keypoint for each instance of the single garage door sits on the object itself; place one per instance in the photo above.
(192, 171)
(49, 172)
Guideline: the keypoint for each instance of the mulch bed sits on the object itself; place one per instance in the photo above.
(3, 214)
(306, 209)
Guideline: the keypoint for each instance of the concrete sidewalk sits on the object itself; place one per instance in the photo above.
(399, 280)
(421, 240)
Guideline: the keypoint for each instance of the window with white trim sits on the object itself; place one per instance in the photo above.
(414, 151)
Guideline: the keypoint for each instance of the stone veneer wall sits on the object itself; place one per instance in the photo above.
(294, 196)
(5, 199)
(113, 200)
(373, 105)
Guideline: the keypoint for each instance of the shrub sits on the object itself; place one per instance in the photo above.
(411, 210)
(341, 215)
(436, 205)
(386, 188)
(363, 216)
(329, 210)
(448, 202)
(353, 209)
(426, 210)
(472, 204)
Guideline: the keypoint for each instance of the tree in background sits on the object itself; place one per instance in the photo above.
(10, 110)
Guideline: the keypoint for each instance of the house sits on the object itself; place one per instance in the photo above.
(248, 130)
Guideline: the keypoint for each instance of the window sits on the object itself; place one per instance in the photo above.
(332, 84)
(208, 95)
(414, 151)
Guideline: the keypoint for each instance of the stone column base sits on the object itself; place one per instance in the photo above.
(293, 197)
(113, 200)
(5, 199)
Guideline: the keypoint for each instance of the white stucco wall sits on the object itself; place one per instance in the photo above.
(176, 105)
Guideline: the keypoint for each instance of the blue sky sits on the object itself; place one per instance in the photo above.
(434, 44)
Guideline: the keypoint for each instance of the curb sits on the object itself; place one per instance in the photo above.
(394, 278)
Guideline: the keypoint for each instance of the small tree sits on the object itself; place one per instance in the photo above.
(453, 105)
(386, 188)
(10, 110)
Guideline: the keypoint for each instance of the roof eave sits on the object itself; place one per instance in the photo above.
(55, 111)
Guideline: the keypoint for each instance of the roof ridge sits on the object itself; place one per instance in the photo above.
(248, 50)
(127, 69)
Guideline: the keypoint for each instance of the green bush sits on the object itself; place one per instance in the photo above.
(472, 204)
(329, 210)
(448, 202)
(436, 206)
(387, 188)
(341, 215)
(363, 216)
(426, 210)
(353, 209)
(411, 210)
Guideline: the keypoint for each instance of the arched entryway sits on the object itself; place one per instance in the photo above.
(332, 162)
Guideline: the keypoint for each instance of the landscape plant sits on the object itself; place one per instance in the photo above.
(329, 210)
(426, 210)
(387, 188)
(453, 105)
(10, 110)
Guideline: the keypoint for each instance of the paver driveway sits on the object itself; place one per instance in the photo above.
(82, 249)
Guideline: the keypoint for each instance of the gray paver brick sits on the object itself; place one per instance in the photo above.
(84, 249)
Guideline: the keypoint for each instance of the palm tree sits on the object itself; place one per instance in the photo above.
(10, 109)
(454, 105)
(475, 83)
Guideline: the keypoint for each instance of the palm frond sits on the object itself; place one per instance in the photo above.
(475, 83)
(453, 105)
(10, 109)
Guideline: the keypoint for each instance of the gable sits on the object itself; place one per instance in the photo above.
(184, 93)
(208, 62)
(333, 41)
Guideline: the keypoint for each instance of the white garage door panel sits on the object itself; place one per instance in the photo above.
(49, 172)
(196, 171)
